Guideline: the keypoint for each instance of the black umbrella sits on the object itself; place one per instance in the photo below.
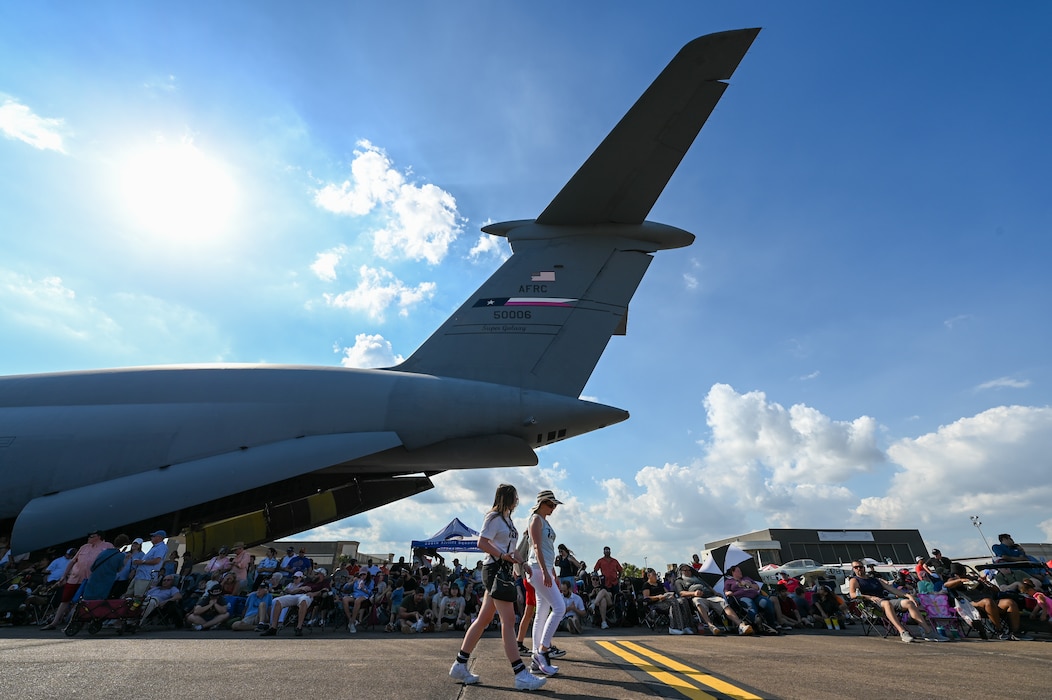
(717, 565)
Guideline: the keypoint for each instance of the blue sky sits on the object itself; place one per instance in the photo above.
(859, 337)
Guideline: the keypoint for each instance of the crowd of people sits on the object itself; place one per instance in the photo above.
(524, 582)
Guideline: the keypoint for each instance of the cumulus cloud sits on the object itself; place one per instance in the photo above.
(796, 445)
(370, 351)
(490, 246)
(49, 306)
(19, 122)
(690, 281)
(379, 289)
(418, 222)
(994, 463)
(324, 265)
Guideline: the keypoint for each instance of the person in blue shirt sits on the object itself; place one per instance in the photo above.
(257, 609)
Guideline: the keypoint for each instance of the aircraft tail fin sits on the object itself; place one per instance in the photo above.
(544, 318)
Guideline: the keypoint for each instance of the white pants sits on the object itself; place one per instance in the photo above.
(551, 606)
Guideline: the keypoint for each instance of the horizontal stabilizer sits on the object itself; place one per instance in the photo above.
(71, 514)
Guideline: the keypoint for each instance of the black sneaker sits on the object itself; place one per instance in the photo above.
(555, 652)
(270, 632)
(299, 631)
(523, 651)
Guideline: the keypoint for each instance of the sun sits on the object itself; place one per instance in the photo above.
(176, 192)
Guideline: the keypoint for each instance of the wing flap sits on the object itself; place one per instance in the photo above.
(71, 514)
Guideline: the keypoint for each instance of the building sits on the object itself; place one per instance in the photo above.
(778, 546)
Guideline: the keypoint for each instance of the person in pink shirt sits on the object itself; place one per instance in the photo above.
(239, 566)
(77, 571)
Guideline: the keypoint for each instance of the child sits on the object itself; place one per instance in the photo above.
(1043, 610)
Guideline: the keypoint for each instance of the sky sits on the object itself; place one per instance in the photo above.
(859, 337)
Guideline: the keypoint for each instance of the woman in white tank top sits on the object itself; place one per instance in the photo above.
(550, 602)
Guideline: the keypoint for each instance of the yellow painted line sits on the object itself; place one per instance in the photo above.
(701, 677)
(667, 678)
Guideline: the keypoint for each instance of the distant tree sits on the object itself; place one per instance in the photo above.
(632, 571)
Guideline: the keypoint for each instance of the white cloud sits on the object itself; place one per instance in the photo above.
(994, 463)
(128, 328)
(370, 351)
(18, 122)
(490, 246)
(798, 445)
(419, 222)
(956, 320)
(49, 306)
(324, 265)
(690, 281)
(379, 289)
(812, 375)
(1004, 382)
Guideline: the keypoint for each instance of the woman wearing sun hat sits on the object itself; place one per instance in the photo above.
(550, 602)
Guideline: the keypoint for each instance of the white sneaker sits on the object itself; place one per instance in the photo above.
(673, 630)
(745, 628)
(524, 680)
(352, 628)
(542, 664)
(688, 630)
(906, 637)
(460, 672)
(604, 625)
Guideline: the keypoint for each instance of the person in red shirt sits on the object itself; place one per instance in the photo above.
(611, 570)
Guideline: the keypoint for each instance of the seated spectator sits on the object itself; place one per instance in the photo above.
(218, 564)
(600, 600)
(451, 612)
(300, 593)
(938, 564)
(267, 567)
(210, 610)
(827, 607)
(785, 609)
(706, 600)
(229, 583)
(575, 611)
(748, 592)
(257, 610)
(985, 597)
(57, 567)
(164, 600)
(414, 615)
(1006, 549)
(171, 566)
(438, 598)
(796, 592)
(300, 562)
(361, 594)
(681, 620)
(1043, 604)
(891, 601)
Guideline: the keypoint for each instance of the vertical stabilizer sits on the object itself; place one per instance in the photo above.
(544, 318)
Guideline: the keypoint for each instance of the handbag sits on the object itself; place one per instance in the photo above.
(503, 586)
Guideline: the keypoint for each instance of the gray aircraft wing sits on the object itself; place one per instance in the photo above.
(624, 176)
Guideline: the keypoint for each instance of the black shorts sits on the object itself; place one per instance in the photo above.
(489, 572)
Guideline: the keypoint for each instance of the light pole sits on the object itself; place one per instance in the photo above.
(975, 521)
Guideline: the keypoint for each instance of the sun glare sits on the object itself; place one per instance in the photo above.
(178, 193)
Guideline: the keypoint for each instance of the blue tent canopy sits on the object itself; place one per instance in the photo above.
(454, 537)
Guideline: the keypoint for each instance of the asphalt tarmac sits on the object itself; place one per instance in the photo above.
(620, 663)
